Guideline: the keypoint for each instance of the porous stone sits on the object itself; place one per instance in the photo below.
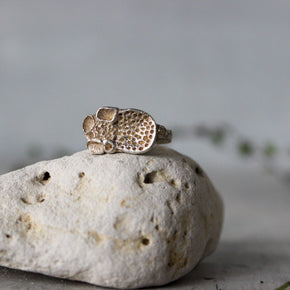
(115, 220)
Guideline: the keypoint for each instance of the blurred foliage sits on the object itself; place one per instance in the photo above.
(270, 149)
(245, 148)
(216, 135)
(284, 286)
(224, 135)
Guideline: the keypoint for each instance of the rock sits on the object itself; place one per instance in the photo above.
(115, 220)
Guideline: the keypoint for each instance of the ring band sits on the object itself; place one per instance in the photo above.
(132, 131)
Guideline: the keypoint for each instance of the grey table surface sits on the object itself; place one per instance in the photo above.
(254, 251)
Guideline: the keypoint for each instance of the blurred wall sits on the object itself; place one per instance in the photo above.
(182, 61)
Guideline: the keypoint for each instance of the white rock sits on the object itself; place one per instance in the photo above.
(119, 220)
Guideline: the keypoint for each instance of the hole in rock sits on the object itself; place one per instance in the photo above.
(198, 171)
(150, 177)
(24, 200)
(178, 197)
(169, 205)
(145, 241)
(8, 236)
(173, 182)
(44, 178)
(81, 174)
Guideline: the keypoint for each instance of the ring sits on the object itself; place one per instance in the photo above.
(132, 131)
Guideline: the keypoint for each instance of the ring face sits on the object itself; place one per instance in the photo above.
(119, 130)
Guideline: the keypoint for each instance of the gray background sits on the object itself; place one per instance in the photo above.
(184, 62)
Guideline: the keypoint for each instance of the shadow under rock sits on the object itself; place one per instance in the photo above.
(239, 260)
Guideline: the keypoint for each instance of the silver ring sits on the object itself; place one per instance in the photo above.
(132, 131)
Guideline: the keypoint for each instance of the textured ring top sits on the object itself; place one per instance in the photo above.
(132, 131)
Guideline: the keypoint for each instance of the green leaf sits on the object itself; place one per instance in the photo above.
(284, 286)
(270, 150)
(218, 136)
(245, 148)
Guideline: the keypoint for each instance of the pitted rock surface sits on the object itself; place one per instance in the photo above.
(115, 220)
